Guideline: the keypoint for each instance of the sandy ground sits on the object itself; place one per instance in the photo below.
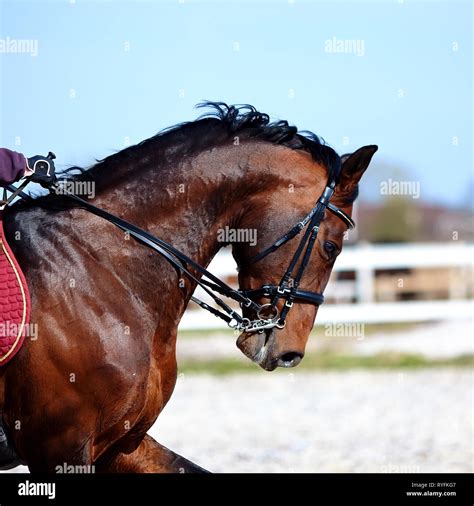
(441, 340)
(299, 421)
(418, 421)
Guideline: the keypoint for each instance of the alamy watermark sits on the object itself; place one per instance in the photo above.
(11, 329)
(356, 330)
(399, 468)
(66, 468)
(231, 235)
(345, 46)
(79, 188)
(34, 489)
(391, 187)
(19, 46)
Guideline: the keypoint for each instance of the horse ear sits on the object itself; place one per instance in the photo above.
(353, 167)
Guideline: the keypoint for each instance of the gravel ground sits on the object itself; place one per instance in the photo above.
(436, 340)
(361, 421)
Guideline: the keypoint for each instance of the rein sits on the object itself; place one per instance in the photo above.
(268, 315)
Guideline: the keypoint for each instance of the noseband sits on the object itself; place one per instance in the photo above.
(268, 315)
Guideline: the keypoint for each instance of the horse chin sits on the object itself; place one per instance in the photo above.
(257, 347)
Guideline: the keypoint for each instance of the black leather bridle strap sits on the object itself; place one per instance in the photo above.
(341, 215)
(178, 260)
(269, 291)
(212, 284)
(296, 282)
(307, 243)
(294, 231)
(282, 290)
(175, 257)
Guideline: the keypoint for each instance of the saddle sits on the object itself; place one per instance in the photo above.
(14, 302)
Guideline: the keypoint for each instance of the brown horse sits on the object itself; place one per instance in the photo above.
(107, 309)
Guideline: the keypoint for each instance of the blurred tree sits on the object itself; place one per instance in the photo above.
(397, 220)
(467, 202)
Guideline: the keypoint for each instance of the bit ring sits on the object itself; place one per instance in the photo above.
(267, 317)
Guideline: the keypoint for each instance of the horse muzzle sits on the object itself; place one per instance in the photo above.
(261, 348)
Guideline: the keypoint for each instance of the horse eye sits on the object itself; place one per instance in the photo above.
(331, 249)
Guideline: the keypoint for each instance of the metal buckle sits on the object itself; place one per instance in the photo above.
(266, 290)
(281, 325)
(327, 194)
(267, 317)
(239, 326)
(233, 324)
(289, 303)
(263, 322)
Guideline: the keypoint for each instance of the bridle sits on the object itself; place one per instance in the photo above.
(288, 288)
(268, 315)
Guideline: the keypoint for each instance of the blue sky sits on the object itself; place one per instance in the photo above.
(109, 73)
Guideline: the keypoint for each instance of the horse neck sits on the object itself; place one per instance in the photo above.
(189, 203)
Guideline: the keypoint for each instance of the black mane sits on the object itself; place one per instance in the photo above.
(223, 123)
(246, 120)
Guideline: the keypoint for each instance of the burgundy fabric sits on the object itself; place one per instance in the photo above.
(12, 166)
(14, 302)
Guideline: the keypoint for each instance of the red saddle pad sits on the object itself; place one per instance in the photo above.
(14, 302)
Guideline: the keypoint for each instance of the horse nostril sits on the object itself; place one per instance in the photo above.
(290, 359)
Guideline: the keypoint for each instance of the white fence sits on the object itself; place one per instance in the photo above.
(364, 260)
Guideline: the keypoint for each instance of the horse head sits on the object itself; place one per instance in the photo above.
(272, 216)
